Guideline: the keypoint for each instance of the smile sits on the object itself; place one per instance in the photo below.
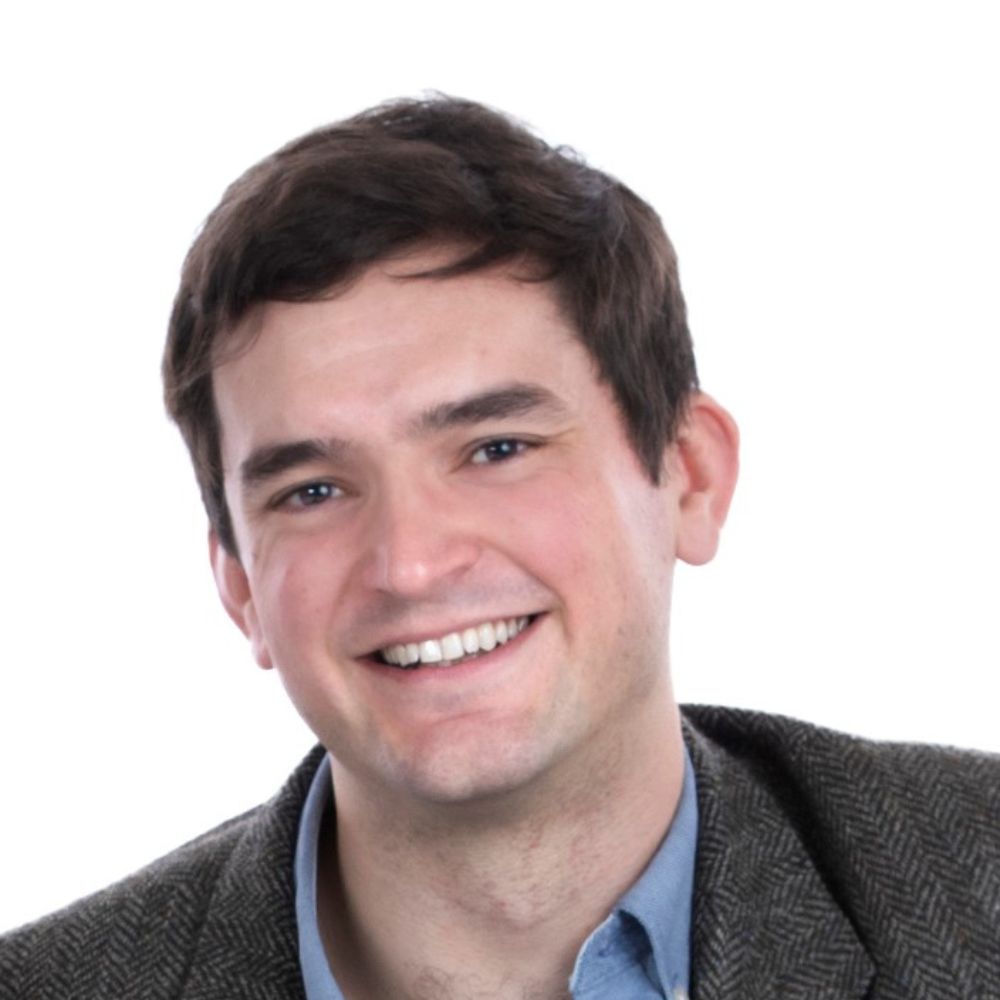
(455, 646)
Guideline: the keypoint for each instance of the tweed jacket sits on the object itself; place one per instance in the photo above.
(827, 867)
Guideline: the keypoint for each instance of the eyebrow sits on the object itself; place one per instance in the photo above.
(517, 399)
(270, 461)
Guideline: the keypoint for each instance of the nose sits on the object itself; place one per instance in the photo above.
(419, 542)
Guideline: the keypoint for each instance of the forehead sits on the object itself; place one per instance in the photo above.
(389, 344)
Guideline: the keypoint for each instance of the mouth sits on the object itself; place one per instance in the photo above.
(453, 647)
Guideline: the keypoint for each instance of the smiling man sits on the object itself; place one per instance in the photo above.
(438, 388)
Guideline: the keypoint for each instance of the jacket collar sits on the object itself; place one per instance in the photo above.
(764, 922)
(248, 943)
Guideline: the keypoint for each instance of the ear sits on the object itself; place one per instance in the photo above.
(707, 463)
(234, 590)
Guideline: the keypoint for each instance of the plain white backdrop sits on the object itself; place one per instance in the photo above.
(828, 174)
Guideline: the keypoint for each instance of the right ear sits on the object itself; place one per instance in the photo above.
(234, 590)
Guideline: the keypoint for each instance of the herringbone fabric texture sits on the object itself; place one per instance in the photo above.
(836, 867)
(215, 920)
(828, 867)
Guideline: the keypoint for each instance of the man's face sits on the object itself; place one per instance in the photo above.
(416, 464)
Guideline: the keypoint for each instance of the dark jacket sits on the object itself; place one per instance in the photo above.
(827, 867)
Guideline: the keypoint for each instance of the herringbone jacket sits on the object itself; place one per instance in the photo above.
(827, 867)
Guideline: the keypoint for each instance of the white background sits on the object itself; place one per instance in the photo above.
(829, 175)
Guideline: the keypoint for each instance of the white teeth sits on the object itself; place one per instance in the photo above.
(430, 651)
(455, 646)
(487, 637)
(451, 646)
(470, 640)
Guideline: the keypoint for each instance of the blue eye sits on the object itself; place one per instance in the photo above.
(498, 450)
(310, 495)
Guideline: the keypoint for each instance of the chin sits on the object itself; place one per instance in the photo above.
(455, 772)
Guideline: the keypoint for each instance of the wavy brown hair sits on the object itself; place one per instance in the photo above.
(316, 212)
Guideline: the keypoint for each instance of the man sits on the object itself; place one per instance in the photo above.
(438, 388)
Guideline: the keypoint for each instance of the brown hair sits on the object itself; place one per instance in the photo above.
(326, 205)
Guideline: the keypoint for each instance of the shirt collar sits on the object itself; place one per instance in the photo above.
(316, 975)
(661, 900)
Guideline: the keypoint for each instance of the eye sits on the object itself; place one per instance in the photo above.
(498, 450)
(308, 495)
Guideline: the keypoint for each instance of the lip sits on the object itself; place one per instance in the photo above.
(467, 668)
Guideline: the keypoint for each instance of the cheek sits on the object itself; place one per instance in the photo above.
(544, 521)
(604, 545)
(297, 590)
(294, 586)
(559, 530)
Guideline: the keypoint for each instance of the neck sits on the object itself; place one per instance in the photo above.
(414, 896)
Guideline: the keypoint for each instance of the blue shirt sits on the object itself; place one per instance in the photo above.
(640, 952)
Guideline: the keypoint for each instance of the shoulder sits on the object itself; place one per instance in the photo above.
(906, 837)
(85, 940)
(938, 783)
(138, 936)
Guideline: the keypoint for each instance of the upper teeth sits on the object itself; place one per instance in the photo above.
(455, 645)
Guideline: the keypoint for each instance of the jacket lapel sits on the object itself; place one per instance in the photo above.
(248, 944)
(764, 923)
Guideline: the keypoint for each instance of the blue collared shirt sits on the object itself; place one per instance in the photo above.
(641, 951)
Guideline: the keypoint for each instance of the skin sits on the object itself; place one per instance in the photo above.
(465, 465)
